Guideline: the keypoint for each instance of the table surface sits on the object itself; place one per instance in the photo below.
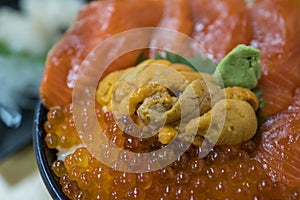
(20, 178)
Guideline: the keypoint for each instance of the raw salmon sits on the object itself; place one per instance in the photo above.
(279, 144)
(176, 16)
(273, 26)
(276, 30)
(220, 25)
(96, 22)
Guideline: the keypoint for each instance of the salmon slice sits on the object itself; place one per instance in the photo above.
(279, 144)
(96, 22)
(280, 84)
(176, 16)
(220, 25)
(276, 29)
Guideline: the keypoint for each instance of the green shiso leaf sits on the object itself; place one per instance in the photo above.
(197, 63)
(202, 64)
(257, 92)
(141, 58)
(158, 56)
(261, 104)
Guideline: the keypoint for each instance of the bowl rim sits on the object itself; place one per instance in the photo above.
(40, 152)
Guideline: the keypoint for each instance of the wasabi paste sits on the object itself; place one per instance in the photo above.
(240, 67)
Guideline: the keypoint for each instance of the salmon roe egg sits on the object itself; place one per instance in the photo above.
(226, 172)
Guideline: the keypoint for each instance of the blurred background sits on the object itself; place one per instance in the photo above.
(28, 29)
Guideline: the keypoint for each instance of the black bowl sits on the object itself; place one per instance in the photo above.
(44, 155)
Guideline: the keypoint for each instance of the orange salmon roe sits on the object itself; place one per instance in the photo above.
(227, 172)
(60, 128)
